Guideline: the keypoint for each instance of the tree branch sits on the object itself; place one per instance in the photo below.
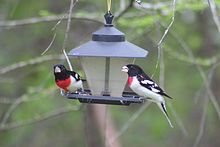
(129, 6)
(159, 44)
(202, 122)
(11, 109)
(24, 98)
(178, 120)
(156, 6)
(54, 36)
(4, 100)
(36, 60)
(201, 72)
(40, 118)
(72, 4)
(214, 14)
(33, 20)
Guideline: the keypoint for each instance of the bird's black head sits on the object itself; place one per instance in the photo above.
(60, 72)
(59, 68)
(132, 69)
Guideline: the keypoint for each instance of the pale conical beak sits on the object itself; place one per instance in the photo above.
(124, 69)
(57, 69)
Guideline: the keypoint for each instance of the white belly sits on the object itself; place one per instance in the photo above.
(144, 92)
(75, 85)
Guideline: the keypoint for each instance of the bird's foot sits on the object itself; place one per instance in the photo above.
(134, 96)
(122, 102)
(142, 98)
(84, 93)
(63, 93)
(79, 91)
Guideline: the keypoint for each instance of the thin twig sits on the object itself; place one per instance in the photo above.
(6, 80)
(33, 20)
(171, 23)
(178, 120)
(24, 98)
(11, 109)
(202, 122)
(154, 6)
(54, 36)
(201, 72)
(174, 113)
(67, 60)
(198, 94)
(214, 14)
(59, 21)
(208, 61)
(29, 62)
(38, 118)
(120, 14)
(162, 68)
(4, 100)
(161, 59)
(72, 4)
(159, 44)
(53, 29)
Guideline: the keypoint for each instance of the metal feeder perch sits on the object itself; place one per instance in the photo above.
(102, 59)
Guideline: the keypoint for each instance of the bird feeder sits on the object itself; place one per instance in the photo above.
(102, 59)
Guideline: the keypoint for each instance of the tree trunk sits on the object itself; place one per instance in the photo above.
(99, 127)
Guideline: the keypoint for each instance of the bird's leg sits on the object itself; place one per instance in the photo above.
(62, 92)
(80, 91)
(134, 96)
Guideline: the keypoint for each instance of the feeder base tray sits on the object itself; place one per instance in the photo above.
(87, 98)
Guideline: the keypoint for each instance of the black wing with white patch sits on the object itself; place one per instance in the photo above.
(75, 75)
(148, 83)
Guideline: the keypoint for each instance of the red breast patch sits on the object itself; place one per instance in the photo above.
(64, 83)
(130, 79)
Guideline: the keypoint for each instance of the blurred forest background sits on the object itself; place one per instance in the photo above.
(183, 40)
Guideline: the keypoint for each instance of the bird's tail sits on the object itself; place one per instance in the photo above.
(163, 109)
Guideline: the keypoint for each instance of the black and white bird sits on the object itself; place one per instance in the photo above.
(66, 80)
(145, 87)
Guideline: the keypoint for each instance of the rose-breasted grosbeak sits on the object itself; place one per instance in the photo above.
(145, 87)
(68, 81)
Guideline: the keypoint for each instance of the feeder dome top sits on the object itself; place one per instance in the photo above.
(109, 42)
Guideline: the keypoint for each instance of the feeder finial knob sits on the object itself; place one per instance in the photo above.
(109, 18)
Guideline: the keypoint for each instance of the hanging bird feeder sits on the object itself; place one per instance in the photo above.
(102, 59)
